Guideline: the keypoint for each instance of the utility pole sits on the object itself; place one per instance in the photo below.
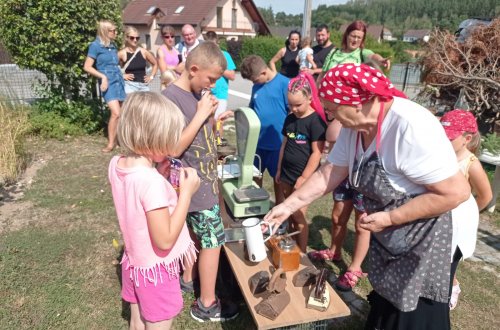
(306, 23)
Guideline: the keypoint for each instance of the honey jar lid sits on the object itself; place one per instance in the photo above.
(287, 244)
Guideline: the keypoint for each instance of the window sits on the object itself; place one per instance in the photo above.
(151, 10)
(219, 17)
(148, 41)
(233, 18)
(179, 10)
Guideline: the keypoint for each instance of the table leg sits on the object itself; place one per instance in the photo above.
(496, 187)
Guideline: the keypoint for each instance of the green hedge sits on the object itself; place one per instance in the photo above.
(266, 47)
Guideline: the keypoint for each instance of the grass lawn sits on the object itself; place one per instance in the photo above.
(59, 268)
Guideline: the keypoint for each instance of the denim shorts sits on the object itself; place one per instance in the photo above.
(344, 192)
(116, 86)
(135, 86)
(207, 226)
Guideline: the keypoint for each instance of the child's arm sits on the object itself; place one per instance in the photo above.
(310, 59)
(165, 228)
(276, 58)
(480, 185)
(312, 163)
(206, 107)
(277, 178)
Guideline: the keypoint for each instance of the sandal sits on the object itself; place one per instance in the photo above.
(325, 255)
(455, 292)
(349, 279)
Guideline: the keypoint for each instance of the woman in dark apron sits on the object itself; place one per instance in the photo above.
(396, 154)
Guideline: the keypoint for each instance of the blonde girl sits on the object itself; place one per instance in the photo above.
(462, 131)
(102, 62)
(151, 216)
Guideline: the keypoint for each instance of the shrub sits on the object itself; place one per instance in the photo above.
(52, 125)
(14, 118)
(265, 47)
(85, 114)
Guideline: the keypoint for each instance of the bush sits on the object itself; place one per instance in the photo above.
(15, 125)
(265, 47)
(52, 125)
(84, 114)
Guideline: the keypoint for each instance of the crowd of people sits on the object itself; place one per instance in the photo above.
(407, 175)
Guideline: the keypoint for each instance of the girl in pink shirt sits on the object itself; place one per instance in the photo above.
(151, 216)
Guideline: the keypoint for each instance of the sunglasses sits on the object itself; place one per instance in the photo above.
(166, 36)
(134, 38)
(112, 30)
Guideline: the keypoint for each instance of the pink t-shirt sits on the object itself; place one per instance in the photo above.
(136, 191)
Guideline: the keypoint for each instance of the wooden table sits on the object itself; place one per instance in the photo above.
(296, 312)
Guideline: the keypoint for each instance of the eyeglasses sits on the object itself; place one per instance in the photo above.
(134, 38)
(166, 36)
(112, 30)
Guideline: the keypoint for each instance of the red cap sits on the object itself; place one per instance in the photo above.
(458, 122)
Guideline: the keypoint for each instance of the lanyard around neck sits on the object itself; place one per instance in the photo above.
(380, 119)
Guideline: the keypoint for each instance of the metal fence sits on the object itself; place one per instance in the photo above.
(407, 78)
(21, 85)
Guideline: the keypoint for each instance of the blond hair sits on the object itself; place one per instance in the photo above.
(129, 29)
(103, 27)
(305, 42)
(205, 56)
(474, 143)
(168, 77)
(149, 125)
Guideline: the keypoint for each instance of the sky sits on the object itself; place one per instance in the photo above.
(294, 6)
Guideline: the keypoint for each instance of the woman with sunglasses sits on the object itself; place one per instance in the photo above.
(134, 60)
(397, 155)
(102, 62)
(167, 55)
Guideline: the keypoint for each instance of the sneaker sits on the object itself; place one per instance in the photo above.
(187, 287)
(214, 313)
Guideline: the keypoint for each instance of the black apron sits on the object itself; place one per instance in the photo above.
(407, 261)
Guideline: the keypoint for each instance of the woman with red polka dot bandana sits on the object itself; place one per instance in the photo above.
(396, 154)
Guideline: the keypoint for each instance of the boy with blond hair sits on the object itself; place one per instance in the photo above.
(197, 149)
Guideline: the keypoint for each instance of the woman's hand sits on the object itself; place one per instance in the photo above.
(104, 84)
(277, 215)
(148, 79)
(375, 222)
(386, 63)
(128, 76)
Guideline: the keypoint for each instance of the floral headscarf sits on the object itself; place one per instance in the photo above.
(353, 84)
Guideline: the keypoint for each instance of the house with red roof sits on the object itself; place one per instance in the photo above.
(228, 18)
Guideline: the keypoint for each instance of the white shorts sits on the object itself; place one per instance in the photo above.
(221, 108)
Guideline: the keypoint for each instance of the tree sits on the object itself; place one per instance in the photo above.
(52, 36)
(267, 15)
